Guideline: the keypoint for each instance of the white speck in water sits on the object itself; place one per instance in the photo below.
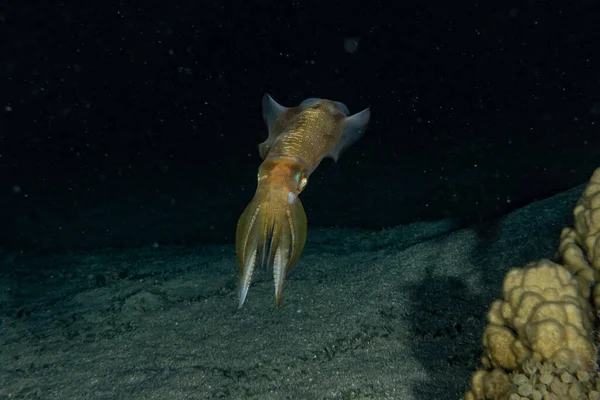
(351, 44)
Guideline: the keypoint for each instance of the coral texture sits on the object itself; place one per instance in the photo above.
(540, 343)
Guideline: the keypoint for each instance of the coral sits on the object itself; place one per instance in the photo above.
(540, 343)
(542, 328)
(579, 248)
(539, 381)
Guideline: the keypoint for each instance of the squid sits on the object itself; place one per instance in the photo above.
(271, 232)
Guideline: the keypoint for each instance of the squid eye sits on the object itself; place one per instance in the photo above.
(301, 179)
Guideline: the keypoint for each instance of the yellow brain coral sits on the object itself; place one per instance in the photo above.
(580, 246)
(587, 220)
(543, 316)
(539, 343)
(538, 338)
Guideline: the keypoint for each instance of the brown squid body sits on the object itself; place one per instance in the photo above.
(271, 231)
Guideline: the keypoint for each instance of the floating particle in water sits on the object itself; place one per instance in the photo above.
(351, 44)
